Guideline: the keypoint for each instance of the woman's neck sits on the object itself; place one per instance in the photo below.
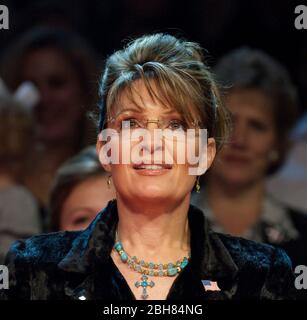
(159, 235)
(236, 208)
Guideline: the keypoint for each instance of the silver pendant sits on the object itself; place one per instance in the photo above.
(144, 284)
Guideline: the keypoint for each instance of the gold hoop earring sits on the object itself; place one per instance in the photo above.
(197, 186)
(109, 182)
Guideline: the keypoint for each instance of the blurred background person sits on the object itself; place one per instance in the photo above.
(263, 104)
(63, 68)
(80, 190)
(289, 185)
(19, 215)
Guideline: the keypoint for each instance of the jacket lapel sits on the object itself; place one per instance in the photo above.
(89, 254)
(211, 258)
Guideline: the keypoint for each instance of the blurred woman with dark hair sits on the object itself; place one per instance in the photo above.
(263, 104)
(63, 68)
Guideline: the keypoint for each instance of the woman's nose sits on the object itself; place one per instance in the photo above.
(152, 141)
(239, 135)
(46, 94)
(152, 124)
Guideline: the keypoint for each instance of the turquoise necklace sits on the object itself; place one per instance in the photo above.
(149, 268)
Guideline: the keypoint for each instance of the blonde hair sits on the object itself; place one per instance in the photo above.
(174, 72)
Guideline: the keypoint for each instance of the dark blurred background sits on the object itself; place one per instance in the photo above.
(219, 25)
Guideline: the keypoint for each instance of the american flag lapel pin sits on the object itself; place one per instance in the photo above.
(210, 285)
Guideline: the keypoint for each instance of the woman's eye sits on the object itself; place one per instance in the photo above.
(259, 126)
(80, 220)
(176, 125)
(130, 123)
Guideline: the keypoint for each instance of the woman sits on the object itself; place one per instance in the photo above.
(80, 189)
(150, 243)
(263, 104)
(63, 68)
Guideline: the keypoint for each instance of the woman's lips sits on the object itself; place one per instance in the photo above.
(236, 160)
(152, 169)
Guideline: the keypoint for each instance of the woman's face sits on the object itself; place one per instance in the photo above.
(246, 158)
(147, 183)
(84, 202)
(59, 112)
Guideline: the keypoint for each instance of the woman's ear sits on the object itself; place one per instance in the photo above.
(206, 157)
(211, 151)
(102, 155)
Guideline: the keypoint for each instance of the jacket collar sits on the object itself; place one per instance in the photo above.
(209, 256)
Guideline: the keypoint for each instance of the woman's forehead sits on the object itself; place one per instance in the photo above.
(149, 99)
(142, 104)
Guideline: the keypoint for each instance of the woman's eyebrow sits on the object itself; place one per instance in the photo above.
(138, 110)
(77, 210)
(128, 110)
(172, 111)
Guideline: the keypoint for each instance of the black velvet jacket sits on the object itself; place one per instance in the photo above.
(69, 265)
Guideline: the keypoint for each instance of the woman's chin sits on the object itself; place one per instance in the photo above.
(233, 176)
(152, 194)
(238, 182)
